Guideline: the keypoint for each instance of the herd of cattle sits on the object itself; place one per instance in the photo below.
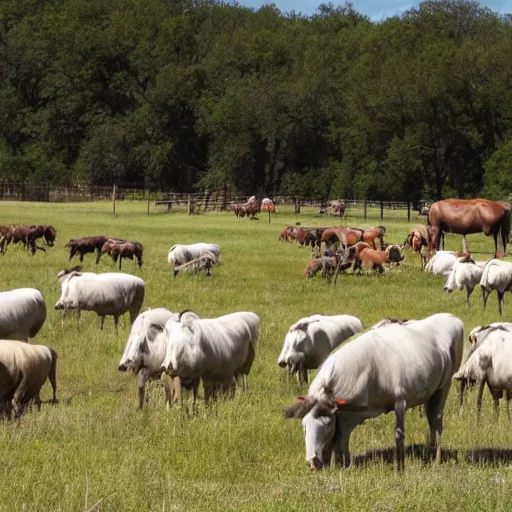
(392, 366)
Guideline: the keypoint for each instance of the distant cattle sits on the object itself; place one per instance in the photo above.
(27, 235)
(22, 313)
(119, 249)
(86, 245)
(180, 254)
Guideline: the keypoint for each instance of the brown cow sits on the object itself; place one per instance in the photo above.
(467, 216)
(119, 249)
(86, 245)
(369, 258)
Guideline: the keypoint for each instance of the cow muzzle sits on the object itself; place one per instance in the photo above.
(447, 290)
(315, 464)
(282, 364)
(58, 306)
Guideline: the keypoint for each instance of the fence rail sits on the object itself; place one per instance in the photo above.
(193, 202)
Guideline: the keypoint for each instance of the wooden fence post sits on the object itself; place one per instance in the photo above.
(188, 204)
(365, 208)
(148, 200)
(114, 198)
(408, 211)
(381, 210)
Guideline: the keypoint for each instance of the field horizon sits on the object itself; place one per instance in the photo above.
(95, 451)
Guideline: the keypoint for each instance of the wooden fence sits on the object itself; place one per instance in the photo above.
(198, 203)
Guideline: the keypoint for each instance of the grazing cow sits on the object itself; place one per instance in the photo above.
(145, 350)
(369, 258)
(22, 313)
(392, 368)
(47, 233)
(497, 275)
(179, 254)
(24, 369)
(442, 262)
(86, 245)
(337, 208)
(465, 274)
(489, 362)
(119, 249)
(312, 268)
(108, 294)
(310, 340)
(203, 262)
(215, 350)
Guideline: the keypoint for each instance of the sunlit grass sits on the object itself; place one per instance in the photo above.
(240, 454)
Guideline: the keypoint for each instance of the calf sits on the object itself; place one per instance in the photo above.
(497, 275)
(119, 249)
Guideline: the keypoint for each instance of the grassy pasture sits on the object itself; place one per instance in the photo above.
(240, 454)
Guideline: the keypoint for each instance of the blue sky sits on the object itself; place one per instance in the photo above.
(375, 9)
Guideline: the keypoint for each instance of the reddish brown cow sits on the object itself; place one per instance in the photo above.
(312, 268)
(467, 216)
(86, 245)
(119, 249)
(28, 235)
(367, 257)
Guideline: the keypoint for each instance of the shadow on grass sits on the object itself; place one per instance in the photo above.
(422, 452)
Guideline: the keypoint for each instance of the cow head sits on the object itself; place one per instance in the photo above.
(145, 347)
(319, 426)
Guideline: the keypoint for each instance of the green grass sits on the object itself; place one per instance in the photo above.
(240, 454)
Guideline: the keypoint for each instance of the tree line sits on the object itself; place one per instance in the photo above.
(191, 95)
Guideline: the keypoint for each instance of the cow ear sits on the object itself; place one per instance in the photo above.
(340, 402)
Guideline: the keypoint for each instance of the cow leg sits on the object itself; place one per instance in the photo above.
(341, 452)
(102, 321)
(485, 296)
(461, 394)
(304, 375)
(116, 323)
(195, 387)
(434, 409)
(166, 382)
(508, 397)
(469, 291)
(479, 398)
(465, 243)
(142, 377)
(178, 391)
(37, 401)
(82, 257)
(400, 407)
(500, 300)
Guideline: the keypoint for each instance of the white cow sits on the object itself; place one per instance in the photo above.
(477, 332)
(108, 294)
(464, 274)
(145, 350)
(391, 368)
(216, 350)
(22, 313)
(490, 361)
(497, 275)
(180, 254)
(441, 263)
(310, 340)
